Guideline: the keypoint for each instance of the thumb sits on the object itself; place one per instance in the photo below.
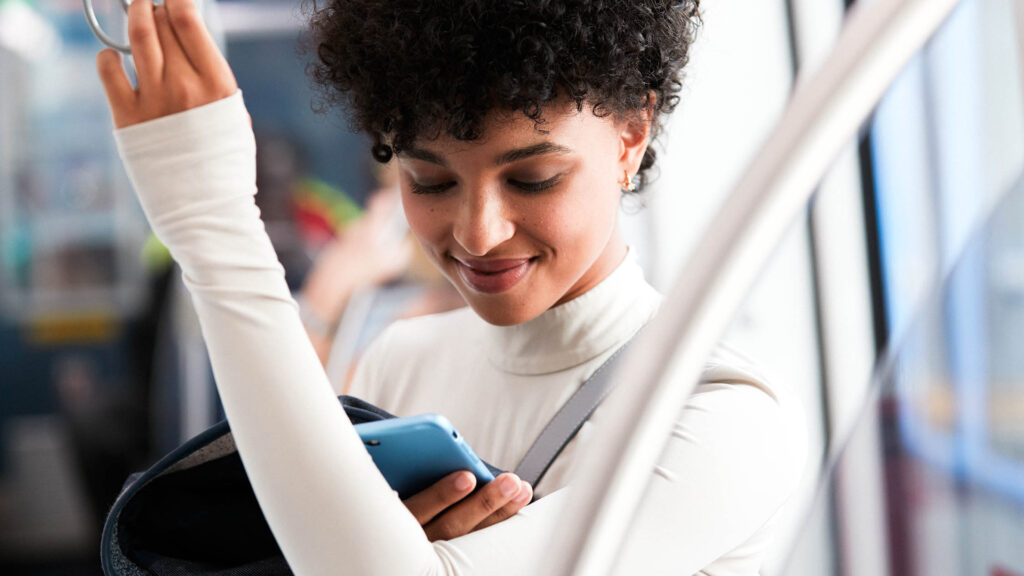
(119, 90)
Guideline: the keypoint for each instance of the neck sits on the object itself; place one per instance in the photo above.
(610, 258)
(564, 336)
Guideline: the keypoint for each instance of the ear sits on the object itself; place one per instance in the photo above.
(634, 137)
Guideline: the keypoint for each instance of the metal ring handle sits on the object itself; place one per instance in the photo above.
(94, 23)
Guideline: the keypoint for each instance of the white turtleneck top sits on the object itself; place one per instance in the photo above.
(726, 470)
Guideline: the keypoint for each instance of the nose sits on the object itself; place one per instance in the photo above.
(483, 222)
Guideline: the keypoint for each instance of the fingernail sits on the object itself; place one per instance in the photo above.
(509, 485)
(463, 482)
(524, 494)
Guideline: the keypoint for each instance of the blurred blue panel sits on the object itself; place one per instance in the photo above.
(278, 93)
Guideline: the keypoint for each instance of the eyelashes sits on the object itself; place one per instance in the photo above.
(418, 188)
(537, 186)
(530, 187)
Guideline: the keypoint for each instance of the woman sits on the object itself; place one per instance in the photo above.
(516, 127)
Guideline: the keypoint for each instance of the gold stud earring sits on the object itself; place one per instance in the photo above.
(627, 182)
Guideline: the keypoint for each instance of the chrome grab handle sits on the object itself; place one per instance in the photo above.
(94, 23)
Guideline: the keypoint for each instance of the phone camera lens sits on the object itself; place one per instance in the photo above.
(455, 434)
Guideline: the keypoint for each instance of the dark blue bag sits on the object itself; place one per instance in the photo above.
(194, 512)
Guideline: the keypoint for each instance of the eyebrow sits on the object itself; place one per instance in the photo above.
(502, 159)
(529, 152)
(425, 155)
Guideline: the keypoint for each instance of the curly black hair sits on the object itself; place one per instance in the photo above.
(406, 69)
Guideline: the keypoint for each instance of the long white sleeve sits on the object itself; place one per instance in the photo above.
(327, 505)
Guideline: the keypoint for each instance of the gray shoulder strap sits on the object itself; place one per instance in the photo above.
(567, 422)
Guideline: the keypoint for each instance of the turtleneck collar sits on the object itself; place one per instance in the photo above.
(579, 330)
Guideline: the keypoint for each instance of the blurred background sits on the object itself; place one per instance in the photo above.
(894, 309)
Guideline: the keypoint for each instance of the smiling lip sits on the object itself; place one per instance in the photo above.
(492, 276)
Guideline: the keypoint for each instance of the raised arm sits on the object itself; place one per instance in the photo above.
(187, 143)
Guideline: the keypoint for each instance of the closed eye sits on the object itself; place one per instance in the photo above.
(418, 188)
(536, 186)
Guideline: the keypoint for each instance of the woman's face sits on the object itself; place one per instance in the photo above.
(522, 220)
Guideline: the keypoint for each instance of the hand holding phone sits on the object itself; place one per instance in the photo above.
(459, 502)
(415, 452)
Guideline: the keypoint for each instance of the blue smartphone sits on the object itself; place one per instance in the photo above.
(414, 452)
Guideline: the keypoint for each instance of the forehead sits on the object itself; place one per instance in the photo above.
(560, 123)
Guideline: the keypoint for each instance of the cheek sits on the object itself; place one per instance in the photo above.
(424, 218)
(579, 223)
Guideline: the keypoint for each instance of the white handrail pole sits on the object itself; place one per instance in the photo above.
(666, 361)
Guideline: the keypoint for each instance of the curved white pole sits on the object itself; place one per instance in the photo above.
(666, 361)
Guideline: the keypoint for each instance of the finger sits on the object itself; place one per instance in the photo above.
(175, 61)
(447, 491)
(509, 510)
(149, 58)
(195, 38)
(120, 94)
(463, 517)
